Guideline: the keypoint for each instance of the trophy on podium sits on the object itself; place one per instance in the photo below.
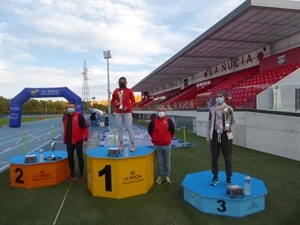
(121, 99)
(52, 157)
(52, 148)
(227, 124)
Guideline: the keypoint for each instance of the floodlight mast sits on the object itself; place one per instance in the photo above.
(107, 56)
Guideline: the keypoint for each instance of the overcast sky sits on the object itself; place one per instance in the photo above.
(44, 42)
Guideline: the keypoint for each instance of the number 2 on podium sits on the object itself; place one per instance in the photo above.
(19, 177)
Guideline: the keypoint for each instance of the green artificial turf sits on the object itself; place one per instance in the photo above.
(162, 204)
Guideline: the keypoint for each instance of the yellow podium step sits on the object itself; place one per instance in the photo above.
(120, 177)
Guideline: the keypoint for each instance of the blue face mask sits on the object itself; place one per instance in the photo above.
(220, 100)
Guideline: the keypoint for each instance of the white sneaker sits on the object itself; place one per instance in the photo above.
(168, 180)
(158, 180)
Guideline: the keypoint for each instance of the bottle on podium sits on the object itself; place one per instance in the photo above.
(41, 151)
(247, 188)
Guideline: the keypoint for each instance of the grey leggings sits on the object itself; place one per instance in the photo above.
(127, 118)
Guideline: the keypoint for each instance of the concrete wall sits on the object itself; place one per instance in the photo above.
(276, 133)
(270, 133)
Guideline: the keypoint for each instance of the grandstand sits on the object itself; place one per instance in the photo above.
(252, 48)
(254, 55)
(241, 86)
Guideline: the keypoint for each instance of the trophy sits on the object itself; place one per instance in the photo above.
(52, 148)
(121, 99)
(226, 112)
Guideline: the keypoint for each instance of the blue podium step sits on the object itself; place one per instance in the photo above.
(213, 199)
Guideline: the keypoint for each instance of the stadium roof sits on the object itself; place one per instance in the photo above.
(255, 23)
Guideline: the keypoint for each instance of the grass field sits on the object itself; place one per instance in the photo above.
(163, 204)
(4, 121)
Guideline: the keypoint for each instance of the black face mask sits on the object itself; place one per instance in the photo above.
(122, 85)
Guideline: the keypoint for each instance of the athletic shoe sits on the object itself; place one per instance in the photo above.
(168, 180)
(80, 179)
(158, 180)
(132, 148)
(70, 178)
(214, 181)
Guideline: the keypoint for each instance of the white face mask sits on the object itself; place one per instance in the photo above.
(161, 114)
(71, 110)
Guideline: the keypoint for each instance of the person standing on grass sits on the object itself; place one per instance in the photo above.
(219, 136)
(76, 135)
(123, 100)
(161, 130)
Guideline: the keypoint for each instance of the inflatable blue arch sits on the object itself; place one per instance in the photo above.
(27, 93)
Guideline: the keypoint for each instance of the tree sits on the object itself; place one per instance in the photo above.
(4, 106)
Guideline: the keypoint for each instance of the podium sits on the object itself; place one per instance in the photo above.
(120, 177)
(39, 174)
(213, 199)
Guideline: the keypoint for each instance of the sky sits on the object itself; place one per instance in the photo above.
(44, 43)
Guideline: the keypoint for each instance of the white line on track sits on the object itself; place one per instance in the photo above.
(61, 205)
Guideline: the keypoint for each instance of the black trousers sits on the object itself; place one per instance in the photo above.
(226, 147)
(79, 152)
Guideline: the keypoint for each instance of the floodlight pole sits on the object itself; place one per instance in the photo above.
(107, 56)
